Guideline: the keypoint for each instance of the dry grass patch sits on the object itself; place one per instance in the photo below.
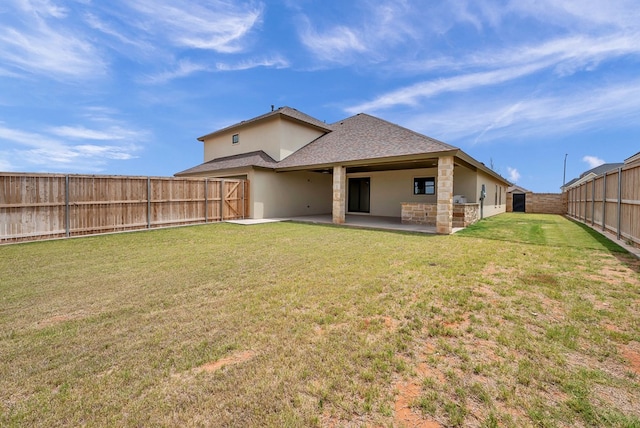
(519, 321)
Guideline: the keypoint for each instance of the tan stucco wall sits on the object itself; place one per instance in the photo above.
(390, 188)
(490, 207)
(289, 194)
(465, 183)
(277, 137)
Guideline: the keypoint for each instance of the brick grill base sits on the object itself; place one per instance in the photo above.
(425, 213)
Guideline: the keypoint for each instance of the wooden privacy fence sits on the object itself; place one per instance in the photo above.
(610, 201)
(42, 206)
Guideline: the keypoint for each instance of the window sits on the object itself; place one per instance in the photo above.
(496, 196)
(424, 186)
(235, 139)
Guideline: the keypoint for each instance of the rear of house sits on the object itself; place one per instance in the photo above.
(362, 165)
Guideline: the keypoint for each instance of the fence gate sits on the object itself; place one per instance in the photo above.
(519, 202)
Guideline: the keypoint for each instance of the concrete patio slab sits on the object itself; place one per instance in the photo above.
(367, 222)
(250, 221)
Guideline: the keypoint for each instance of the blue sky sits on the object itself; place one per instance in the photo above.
(126, 86)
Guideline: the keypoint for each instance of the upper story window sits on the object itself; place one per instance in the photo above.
(424, 186)
(235, 139)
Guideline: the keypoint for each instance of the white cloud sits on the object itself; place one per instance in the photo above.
(46, 48)
(593, 161)
(96, 23)
(42, 7)
(565, 56)
(366, 30)
(412, 94)
(334, 44)
(275, 62)
(47, 151)
(5, 163)
(498, 117)
(83, 133)
(183, 69)
(513, 175)
(186, 68)
(569, 13)
(220, 25)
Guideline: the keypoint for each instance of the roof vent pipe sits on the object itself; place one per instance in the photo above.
(272, 107)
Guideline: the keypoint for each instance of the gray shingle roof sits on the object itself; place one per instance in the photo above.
(363, 137)
(355, 140)
(599, 170)
(605, 167)
(632, 158)
(281, 111)
(258, 158)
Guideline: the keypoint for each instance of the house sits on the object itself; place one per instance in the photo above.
(298, 165)
(632, 160)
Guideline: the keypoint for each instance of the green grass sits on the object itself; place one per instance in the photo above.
(521, 320)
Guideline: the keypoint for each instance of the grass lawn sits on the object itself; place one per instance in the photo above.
(520, 320)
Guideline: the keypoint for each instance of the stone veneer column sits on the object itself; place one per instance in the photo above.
(444, 219)
(339, 194)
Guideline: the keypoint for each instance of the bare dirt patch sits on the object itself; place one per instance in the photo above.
(59, 319)
(232, 360)
(631, 353)
(405, 416)
(614, 274)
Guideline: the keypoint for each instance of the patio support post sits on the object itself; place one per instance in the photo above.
(339, 194)
(444, 216)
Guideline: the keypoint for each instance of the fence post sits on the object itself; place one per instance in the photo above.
(619, 199)
(586, 202)
(148, 202)
(604, 203)
(67, 222)
(593, 202)
(243, 204)
(573, 202)
(206, 203)
(222, 196)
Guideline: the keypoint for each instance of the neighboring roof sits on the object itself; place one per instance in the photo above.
(517, 189)
(605, 167)
(363, 137)
(593, 172)
(632, 159)
(286, 112)
(244, 160)
(569, 183)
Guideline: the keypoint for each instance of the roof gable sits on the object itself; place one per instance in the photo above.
(283, 112)
(517, 189)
